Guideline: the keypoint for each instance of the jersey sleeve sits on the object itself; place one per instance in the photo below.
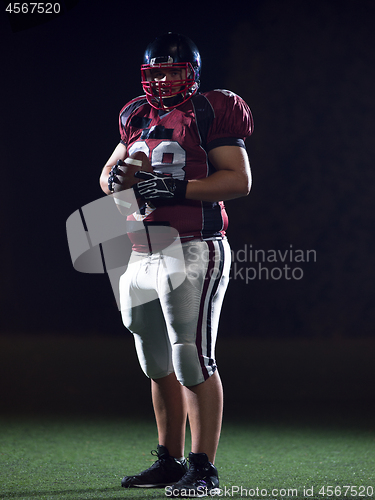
(123, 135)
(233, 121)
(126, 114)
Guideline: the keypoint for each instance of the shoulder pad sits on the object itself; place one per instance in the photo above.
(130, 107)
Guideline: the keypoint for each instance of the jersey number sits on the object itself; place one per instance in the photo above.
(168, 157)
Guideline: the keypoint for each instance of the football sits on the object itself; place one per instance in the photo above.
(125, 197)
(127, 168)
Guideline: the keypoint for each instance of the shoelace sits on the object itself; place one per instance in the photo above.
(194, 471)
(160, 462)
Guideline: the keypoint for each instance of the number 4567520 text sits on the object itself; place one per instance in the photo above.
(33, 8)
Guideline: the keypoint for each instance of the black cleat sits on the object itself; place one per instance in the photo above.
(164, 472)
(200, 480)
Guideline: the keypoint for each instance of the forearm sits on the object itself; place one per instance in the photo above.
(103, 181)
(222, 185)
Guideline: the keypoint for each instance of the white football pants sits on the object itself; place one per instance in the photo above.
(171, 303)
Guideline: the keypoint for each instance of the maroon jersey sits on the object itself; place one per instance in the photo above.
(177, 143)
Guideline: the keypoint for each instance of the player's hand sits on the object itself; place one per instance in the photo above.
(156, 185)
(114, 181)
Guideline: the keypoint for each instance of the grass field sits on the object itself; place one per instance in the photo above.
(50, 458)
(76, 417)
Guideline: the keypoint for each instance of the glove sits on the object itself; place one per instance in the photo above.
(156, 185)
(112, 178)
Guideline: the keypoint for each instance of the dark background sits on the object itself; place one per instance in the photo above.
(307, 71)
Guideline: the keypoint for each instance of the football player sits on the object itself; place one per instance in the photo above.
(196, 145)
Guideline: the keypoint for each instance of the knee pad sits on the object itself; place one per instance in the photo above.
(191, 367)
(155, 362)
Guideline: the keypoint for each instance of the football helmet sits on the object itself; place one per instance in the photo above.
(170, 54)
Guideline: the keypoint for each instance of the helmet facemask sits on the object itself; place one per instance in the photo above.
(166, 93)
